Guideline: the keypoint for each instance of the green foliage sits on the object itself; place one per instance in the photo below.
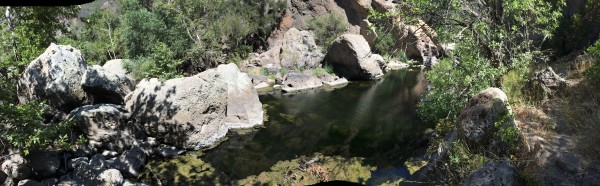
(508, 133)
(491, 38)
(161, 63)
(99, 38)
(593, 73)
(327, 28)
(31, 32)
(463, 162)
(455, 82)
(23, 128)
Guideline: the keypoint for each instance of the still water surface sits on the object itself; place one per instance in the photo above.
(372, 119)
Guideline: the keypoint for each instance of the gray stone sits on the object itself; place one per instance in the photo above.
(333, 81)
(396, 65)
(299, 50)
(494, 174)
(476, 123)
(16, 170)
(54, 76)
(106, 124)
(28, 182)
(296, 81)
(78, 162)
(131, 162)
(105, 86)
(94, 172)
(116, 66)
(43, 164)
(546, 82)
(3, 177)
(196, 112)
(110, 177)
(351, 57)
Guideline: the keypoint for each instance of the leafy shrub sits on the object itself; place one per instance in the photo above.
(593, 73)
(327, 28)
(161, 63)
(454, 84)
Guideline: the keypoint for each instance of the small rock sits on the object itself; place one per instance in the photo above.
(28, 182)
(166, 151)
(111, 177)
(396, 65)
(109, 154)
(131, 162)
(295, 82)
(78, 162)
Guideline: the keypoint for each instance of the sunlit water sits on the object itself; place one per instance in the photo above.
(371, 119)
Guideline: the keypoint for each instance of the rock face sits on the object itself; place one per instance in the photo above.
(54, 76)
(106, 86)
(546, 82)
(494, 174)
(479, 122)
(299, 50)
(351, 57)
(196, 112)
(106, 124)
(296, 81)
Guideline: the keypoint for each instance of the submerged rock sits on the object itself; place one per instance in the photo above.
(196, 112)
(296, 81)
(54, 76)
(494, 174)
(351, 57)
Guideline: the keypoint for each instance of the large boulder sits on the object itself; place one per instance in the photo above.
(296, 81)
(54, 76)
(486, 122)
(351, 57)
(116, 66)
(299, 50)
(105, 86)
(106, 124)
(196, 112)
(546, 82)
(494, 174)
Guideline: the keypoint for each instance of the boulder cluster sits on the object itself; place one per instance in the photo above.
(125, 123)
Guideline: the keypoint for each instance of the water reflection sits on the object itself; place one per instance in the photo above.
(375, 120)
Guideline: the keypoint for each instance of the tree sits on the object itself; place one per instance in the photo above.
(492, 36)
(27, 31)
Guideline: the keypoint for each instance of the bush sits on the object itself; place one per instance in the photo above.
(455, 82)
(593, 73)
(161, 64)
(327, 28)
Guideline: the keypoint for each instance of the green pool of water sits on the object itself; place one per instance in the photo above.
(372, 120)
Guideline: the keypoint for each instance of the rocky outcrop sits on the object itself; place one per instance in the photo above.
(106, 124)
(105, 86)
(54, 76)
(494, 174)
(546, 82)
(196, 112)
(351, 57)
(485, 115)
(296, 50)
(296, 81)
(299, 50)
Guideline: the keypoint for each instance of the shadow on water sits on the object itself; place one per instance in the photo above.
(375, 120)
